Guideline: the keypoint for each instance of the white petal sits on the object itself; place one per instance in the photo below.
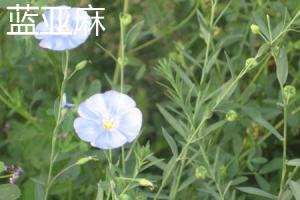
(118, 103)
(109, 140)
(93, 108)
(87, 130)
(130, 124)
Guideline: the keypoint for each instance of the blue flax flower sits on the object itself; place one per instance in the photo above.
(63, 28)
(108, 120)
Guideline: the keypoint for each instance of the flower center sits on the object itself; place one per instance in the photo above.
(64, 29)
(109, 123)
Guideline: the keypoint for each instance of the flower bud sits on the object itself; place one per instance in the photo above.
(145, 183)
(251, 63)
(85, 160)
(201, 172)
(123, 62)
(289, 92)
(231, 115)
(255, 29)
(126, 19)
(81, 65)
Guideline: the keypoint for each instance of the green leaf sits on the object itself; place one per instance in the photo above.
(95, 87)
(2, 166)
(295, 188)
(9, 192)
(133, 34)
(169, 168)
(256, 191)
(211, 62)
(263, 49)
(171, 142)
(230, 65)
(272, 166)
(239, 180)
(282, 66)
(172, 121)
(294, 162)
(183, 76)
(262, 182)
(256, 116)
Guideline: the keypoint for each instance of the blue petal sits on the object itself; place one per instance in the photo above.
(93, 108)
(47, 43)
(130, 124)
(109, 140)
(64, 42)
(40, 28)
(118, 103)
(87, 130)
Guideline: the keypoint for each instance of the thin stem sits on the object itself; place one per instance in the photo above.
(284, 156)
(183, 153)
(122, 56)
(65, 66)
(287, 27)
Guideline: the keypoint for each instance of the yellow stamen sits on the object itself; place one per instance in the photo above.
(108, 125)
(64, 30)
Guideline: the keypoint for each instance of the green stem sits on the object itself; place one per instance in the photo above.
(284, 156)
(65, 66)
(183, 153)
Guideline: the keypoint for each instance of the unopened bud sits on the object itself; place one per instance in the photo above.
(85, 160)
(255, 29)
(231, 115)
(251, 63)
(123, 61)
(81, 65)
(201, 172)
(126, 19)
(145, 183)
(289, 92)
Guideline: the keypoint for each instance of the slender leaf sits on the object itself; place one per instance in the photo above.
(256, 191)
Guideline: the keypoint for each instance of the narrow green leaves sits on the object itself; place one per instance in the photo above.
(256, 191)
(272, 166)
(171, 142)
(172, 121)
(281, 66)
(294, 162)
(133, 34)
(295, 188)
(256, 116)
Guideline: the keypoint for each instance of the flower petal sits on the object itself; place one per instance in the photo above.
(93, 108)
(40, 29)
(87, 130)
(109, 140)
(77, 22)
(47, 43)
(130, 124)
(118, 103)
